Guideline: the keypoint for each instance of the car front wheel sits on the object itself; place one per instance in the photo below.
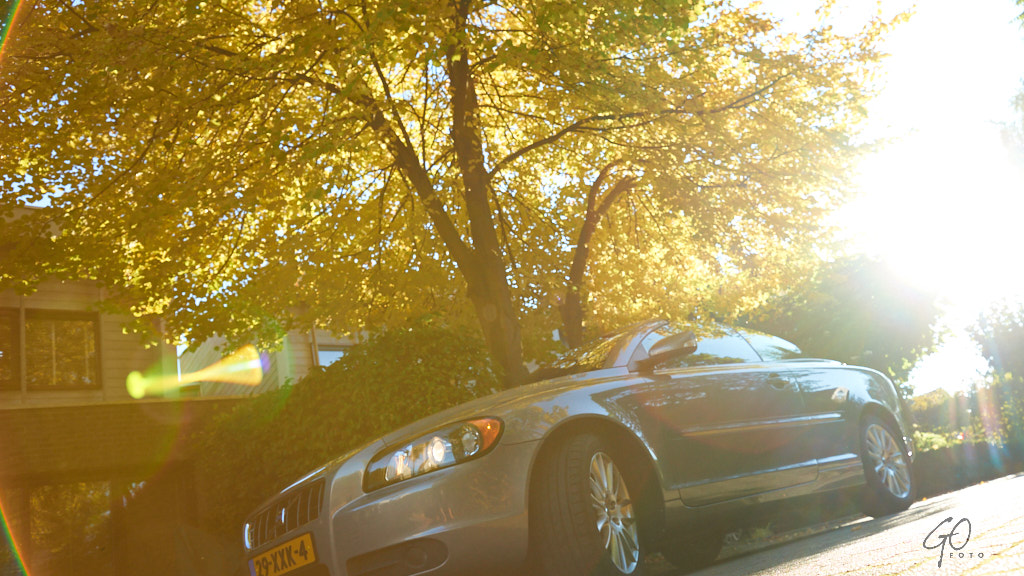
(585, 520)
(887, 469)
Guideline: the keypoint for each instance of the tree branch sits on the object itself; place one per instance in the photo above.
(571, 308)
(585, 123)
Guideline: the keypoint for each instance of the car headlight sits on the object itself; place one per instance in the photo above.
(248, 536)
(441, 448)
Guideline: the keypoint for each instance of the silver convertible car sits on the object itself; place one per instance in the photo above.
(648, 439)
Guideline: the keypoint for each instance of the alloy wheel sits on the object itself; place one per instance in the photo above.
(888, 460)
(616, 520)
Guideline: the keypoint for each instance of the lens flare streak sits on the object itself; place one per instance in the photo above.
(6, 531)
(7, 24)
(240, 367)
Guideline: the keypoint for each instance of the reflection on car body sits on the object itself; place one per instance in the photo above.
(645, 440)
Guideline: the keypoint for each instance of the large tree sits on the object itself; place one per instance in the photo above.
(856, 309)
(999, 403)
(999, 333)
(241, 167)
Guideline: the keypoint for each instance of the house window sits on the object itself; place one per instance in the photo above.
(328, 355)
(61, 351)
(9, 364)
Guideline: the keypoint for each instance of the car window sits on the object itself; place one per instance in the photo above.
(592, 356)
(716, 344)
(772, 348)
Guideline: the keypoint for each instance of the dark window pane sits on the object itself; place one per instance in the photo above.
(9, 363)
(60, 353)
(39, 347)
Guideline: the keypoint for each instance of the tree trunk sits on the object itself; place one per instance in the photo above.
(499, 321)
(482, 263)
(483, 270)
(487, 281)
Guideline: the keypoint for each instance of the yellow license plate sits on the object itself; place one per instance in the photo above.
(285, 558)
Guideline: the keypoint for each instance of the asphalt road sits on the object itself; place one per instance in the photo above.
(896, 544)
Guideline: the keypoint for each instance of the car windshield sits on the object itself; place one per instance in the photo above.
(591, 356)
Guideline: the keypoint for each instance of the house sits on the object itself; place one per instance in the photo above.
(77, 452)
(55, 349)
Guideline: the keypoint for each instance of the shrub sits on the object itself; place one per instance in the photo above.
(393, 378)
(928, 441)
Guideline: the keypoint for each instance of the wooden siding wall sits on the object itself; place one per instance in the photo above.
(119, 353)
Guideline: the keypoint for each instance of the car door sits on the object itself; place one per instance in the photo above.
(827, 388)
(731, 424)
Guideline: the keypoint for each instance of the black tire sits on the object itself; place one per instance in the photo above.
(888, 471)
(567, 538)
(692, 551)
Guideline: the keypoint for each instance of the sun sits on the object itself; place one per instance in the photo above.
(942, 200)
(945, 210)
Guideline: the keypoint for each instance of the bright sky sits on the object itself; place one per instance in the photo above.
(943, 202)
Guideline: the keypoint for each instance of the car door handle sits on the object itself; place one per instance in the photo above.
(777, 382)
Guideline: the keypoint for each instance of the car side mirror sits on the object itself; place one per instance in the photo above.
(670, 347)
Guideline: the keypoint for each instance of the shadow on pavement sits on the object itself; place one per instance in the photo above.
(825, 536)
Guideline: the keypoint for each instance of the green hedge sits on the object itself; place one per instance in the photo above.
(393, 378)
(960, 465)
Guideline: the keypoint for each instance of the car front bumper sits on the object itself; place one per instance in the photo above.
(468, 518)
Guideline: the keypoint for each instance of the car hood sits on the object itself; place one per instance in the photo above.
(493, 405)
(504, 402)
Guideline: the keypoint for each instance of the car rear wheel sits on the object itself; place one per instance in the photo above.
(585, 522)
(887, 469)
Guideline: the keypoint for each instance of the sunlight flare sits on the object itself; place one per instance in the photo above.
(7, 531)
(240, 367)
(7, 24)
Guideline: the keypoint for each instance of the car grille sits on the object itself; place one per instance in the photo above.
(296, 508)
